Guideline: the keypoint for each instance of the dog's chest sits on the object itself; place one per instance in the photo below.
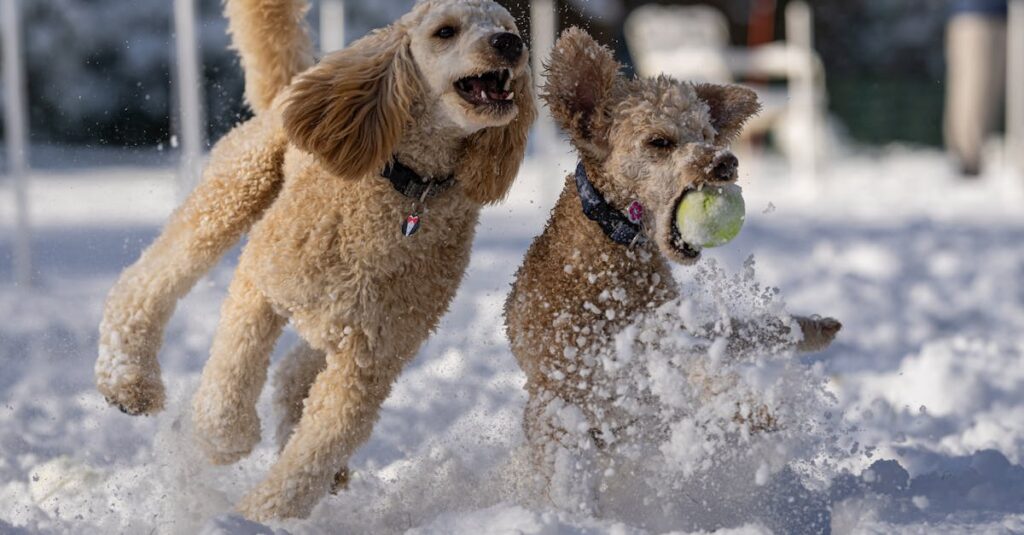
(374, 222)
(340, 248)
(576, 291)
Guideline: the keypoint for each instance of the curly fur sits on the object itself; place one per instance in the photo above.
(269, 64)
(730, 107)
(576, 83)
(487, 169)
(576, 288)
(325, 251)
(351, 109)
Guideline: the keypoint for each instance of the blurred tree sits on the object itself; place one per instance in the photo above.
(89, 84)
(99, 71)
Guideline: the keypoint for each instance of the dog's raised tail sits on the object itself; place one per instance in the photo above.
(272, 39)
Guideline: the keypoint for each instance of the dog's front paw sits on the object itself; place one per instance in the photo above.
(818, 332)
(226, 432)
(128, 384)
(758, 419)
(341, 480)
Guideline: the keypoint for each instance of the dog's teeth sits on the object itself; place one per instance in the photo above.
(483, 95)
(510, 96)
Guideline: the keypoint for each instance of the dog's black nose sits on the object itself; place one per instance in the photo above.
(725, 168)
(508, 45)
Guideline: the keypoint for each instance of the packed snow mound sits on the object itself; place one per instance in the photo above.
(955, 377)
(514, 519)
(956, 396)
(982, 489)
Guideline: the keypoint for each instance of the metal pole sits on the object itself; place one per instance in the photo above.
(332, 25)
(543, 30)
(544, 33)
(16, 133)
(190, 104)
(800, 38)
(1015, 85)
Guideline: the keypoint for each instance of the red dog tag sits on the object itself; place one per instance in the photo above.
(411, 225)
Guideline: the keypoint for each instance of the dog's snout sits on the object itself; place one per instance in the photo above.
(508, 45)
(725, 168)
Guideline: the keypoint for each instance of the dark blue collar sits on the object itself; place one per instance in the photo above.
(615, 225)
(991, 8)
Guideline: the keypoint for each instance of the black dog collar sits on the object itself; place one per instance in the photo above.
(619, 228)
(412, 185)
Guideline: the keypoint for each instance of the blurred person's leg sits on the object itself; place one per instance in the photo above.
(975, 80)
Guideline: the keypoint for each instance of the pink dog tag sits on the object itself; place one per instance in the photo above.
(635, 212)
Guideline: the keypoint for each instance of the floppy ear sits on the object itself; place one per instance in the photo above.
(351, 109)
(730, 105)
(491, 162)
(579, 79)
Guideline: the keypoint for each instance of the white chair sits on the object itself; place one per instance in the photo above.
(692, 43)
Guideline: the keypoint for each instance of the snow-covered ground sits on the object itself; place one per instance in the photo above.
(925, 433)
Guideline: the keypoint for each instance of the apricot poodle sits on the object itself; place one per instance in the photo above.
(604, 255)
(362, 181)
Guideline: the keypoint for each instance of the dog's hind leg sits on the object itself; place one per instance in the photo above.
(338, 416)
(224, 407)
(564, 451)
(242, 179)
(292, 382)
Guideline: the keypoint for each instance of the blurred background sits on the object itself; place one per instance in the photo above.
(99, 73)
(98, 84)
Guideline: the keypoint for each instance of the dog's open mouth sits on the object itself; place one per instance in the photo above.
(493, 89)
(685, 249)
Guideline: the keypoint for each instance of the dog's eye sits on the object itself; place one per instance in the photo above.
(659, 142)
(445, 32)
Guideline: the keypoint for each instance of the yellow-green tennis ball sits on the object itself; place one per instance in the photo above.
(711, 216)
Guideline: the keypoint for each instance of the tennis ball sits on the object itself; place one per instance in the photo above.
(711, 216)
